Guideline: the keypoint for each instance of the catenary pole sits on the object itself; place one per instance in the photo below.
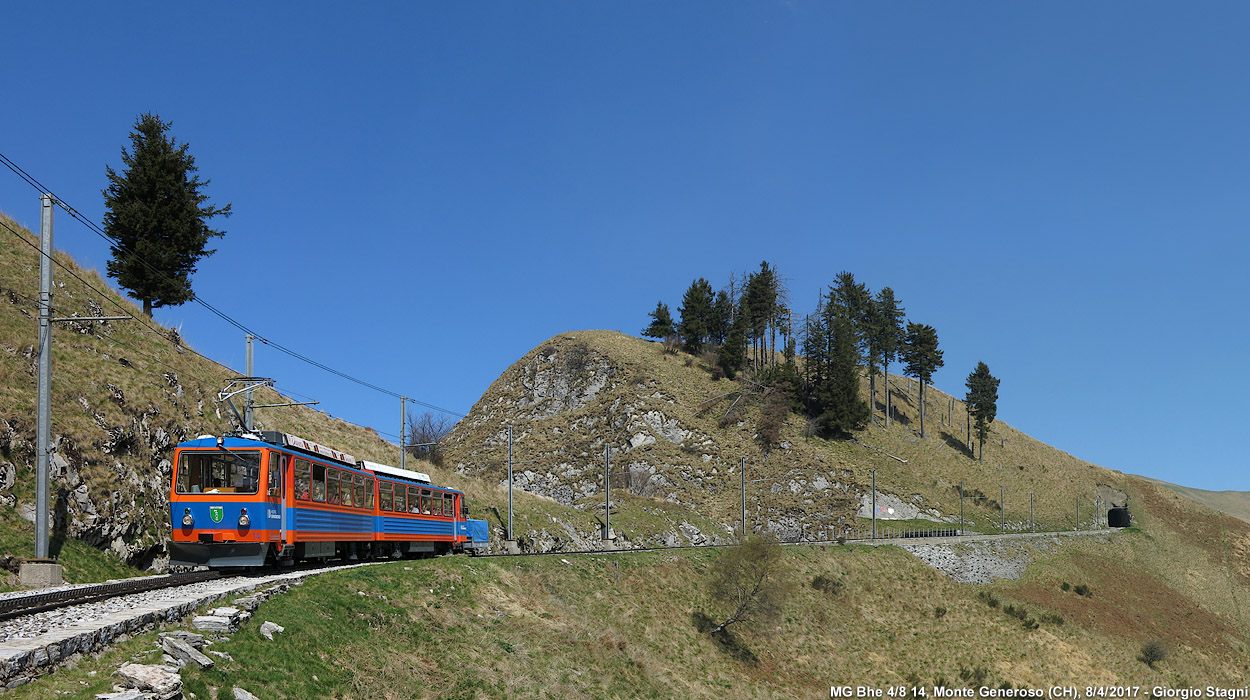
(874, 504)
(607, 494)
(509, 483)
(403, 431)
(43, 420)
(248, 402)
(961, 507)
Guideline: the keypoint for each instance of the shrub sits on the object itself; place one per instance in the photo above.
(988, 598)
(939, 612)
(973, 677)
(827, 584)
(1065, 586)
(1153, 652)
(1082, 589)
(1052, 619)
(773, 417)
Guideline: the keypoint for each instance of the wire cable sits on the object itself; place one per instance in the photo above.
(117, 246)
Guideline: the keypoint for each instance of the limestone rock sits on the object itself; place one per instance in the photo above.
(212, 623)
(241, 694)
(158, 680)
(185, 652)
(268, 629)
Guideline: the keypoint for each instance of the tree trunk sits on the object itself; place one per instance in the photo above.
(887, 395)
(147, 308)
(921, 409)
(872, 395)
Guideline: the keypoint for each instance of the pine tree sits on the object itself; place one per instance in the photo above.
(696, 315)
(156, 212)
(722, 317)
(887, 336)
(922, 358)
(982, 402)
(661, 324)
(733, 352)
(844, 411)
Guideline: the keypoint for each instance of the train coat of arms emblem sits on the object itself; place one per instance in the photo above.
(216, 513)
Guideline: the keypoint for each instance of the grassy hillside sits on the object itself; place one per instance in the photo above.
(1235, 503)
(809, 483)
(627, 625)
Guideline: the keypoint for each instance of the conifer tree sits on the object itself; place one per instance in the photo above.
(158, 215)
(922, 358)
(982, 402)
(733, 352)
(887, 331)
(844, 411)
(696, 315)
(722, 317)
(661, 323)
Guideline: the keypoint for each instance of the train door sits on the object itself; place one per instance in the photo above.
(275, 501)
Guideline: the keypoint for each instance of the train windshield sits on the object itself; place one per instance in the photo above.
(236, 471)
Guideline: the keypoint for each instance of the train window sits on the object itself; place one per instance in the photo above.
(387, 495)
(276, 463)
(414, 499)
(235, 471)
(436, 503)
(302, 473)
(449, 505)
(358, 491)
(369, 494)
(332, 486)
(401, 498)
(425, 501)
(319, 482)
(345, 495)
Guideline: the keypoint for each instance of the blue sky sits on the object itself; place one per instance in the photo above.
(423, 192)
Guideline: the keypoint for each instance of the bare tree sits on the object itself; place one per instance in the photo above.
(425, 431)
(748, 580)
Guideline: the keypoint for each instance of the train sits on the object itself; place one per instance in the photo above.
(268, 498)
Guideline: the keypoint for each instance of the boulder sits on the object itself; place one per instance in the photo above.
(161, 682)
(268, 629)
(185, 653)
(212, 623)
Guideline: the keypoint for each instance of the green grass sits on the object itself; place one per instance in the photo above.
(81, 563)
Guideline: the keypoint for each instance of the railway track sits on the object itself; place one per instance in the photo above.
(928, 537)
(43, 602)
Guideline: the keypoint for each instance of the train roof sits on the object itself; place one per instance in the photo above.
(395, 471)
(273, 437)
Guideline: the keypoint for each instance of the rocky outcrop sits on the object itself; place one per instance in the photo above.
(582, 398)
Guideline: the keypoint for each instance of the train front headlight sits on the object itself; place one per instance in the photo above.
(187, 520)
(244, 521)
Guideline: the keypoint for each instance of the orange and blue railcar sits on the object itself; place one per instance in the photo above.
(271, 498)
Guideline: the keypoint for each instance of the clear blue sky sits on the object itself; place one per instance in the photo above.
(425, 191)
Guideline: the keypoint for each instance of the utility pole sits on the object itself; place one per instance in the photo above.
(248, 403)
(874, 504)
(742, 474)
(607, 494)
(961, 507)
(403, 431)
(43, 430)
(509, 483)
(42, 571)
